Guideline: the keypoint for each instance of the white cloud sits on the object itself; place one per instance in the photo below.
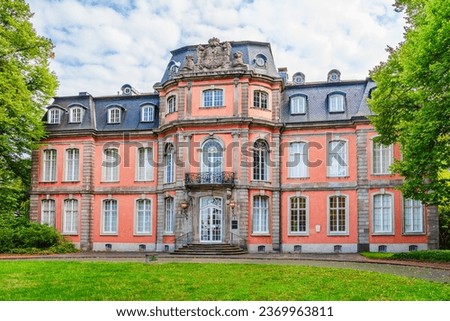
(102, 44)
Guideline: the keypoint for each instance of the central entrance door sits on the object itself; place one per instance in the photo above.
(210, 219)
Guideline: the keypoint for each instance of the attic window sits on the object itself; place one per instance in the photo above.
(54, 116)
(76, 114)
(298, 104)
(114, 115)
(260, 60)
(336, 103)
(147, 113)
(298, 78)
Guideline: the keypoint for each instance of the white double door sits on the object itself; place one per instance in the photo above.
(211, 219)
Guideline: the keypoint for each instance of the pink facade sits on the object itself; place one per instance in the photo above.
(227, 150)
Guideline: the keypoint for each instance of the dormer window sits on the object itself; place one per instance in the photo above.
(260, 61)
(75, 115)
(114, 115)
(54, 116)
(334, 76)
(336, 103)
(260, 99)
(298, 104)
(147, 113)
(171, 104)
(298, 78)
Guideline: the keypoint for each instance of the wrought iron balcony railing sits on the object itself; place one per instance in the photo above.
(219, 178)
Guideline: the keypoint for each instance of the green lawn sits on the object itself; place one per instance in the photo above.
(98, 281)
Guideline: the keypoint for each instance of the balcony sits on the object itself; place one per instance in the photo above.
(203, 179)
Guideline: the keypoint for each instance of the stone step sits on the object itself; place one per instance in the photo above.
(209, 249)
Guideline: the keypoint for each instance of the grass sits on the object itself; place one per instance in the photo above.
(424, 256)
(112, 281)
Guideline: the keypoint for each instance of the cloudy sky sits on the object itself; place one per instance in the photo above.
(102, 44)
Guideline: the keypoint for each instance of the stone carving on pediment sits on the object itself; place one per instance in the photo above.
(238, 60)
(215, 55)
(189, 64)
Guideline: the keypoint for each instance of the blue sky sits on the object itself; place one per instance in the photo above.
(102, 44)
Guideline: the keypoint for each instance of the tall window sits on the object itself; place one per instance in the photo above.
(48, 212)
(145, 164)
(260, 99)
(212, 161)
(72, 164)
(336, 103)
(213, 98)
(260, 160)
(70, 218)
(298, 105)
(382, 158)
(54, 116)
(76, 114)
(170, 163)
(114, 115)
(147, 113)
(110, 165)
(413, 216)
(170, 215)
(337, 214)
(382, 213)
(298, 215)
(143, 216)
(260, 214)
(49, 174)
(298, 159)
(171, 104)
(110, 216)
(337, 158)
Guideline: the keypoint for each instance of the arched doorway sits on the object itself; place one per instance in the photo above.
(211, 219)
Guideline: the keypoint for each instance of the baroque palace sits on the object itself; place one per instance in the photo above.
(226, 150)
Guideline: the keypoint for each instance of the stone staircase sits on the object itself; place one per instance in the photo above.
(209, 249)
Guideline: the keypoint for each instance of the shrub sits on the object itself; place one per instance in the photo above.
(429, 256)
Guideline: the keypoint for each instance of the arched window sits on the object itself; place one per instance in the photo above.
(54, 116)
(70, 217)
(212, 161)
(381, 158)
(143, 216)
(169, 162)
(171, 104)
(169, 215)
(114, 115)
(337, 214)
(336, 103)
(413, 216)
(49, 168)
(109, 216)
(298, 104)
(260, 214)
(48, 208)
(72, 165)
(145, 164)
(110, 165)
(382, 213)
(213, 98)
(147, 113)
(298, 220)
(75, 114)
(337, 158)
(260, 160)
(260, 99)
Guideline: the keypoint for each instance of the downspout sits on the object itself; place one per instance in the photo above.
(280, 149)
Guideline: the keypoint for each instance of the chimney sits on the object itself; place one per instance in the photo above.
(282, 71)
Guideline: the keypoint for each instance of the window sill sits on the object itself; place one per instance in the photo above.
(109, 182)
(48, 182)
(297, 178)
(414, 233)
(211, 107)
(256, 234)
(337, 234)
(142, 234)
(66, 181)
(109, 234)
(144, 180)
(170, 113)
(298, 234)
(346, 176)
(383, 234)
(69, 233)
(262, 109)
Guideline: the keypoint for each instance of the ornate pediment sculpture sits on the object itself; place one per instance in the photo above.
(215, 55)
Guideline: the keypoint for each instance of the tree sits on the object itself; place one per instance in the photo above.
(412, 100)
(26, 85)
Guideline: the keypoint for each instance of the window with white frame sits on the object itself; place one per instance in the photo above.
(110, 216)
(48, 207)
(212, 161)
(381, 158)
(337, 158)
(337, 215)
(213, 98)
(171, 104)
(143, 216)
(298, 160)
(169, 215)
(169, 163)
(54, 116)
(114, 115)
(298, 105)
(382, 213)
(336, 103)
(412, 216)
(145, 164)
(260, 99)
(72, 165)
(110, 165)
(147, 113)
(260, 160)
(75, 114)
(260, 214)
(49, 170)
(70, 216)
(298, 223)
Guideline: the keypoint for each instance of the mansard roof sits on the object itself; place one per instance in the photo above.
(356, 93)
(95, 116)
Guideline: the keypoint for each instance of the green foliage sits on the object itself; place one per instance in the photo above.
(427, 256)
(26, 85)
(19, 235)
(377, 255)
(101, 281)
(412, 100)
(444, 227)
